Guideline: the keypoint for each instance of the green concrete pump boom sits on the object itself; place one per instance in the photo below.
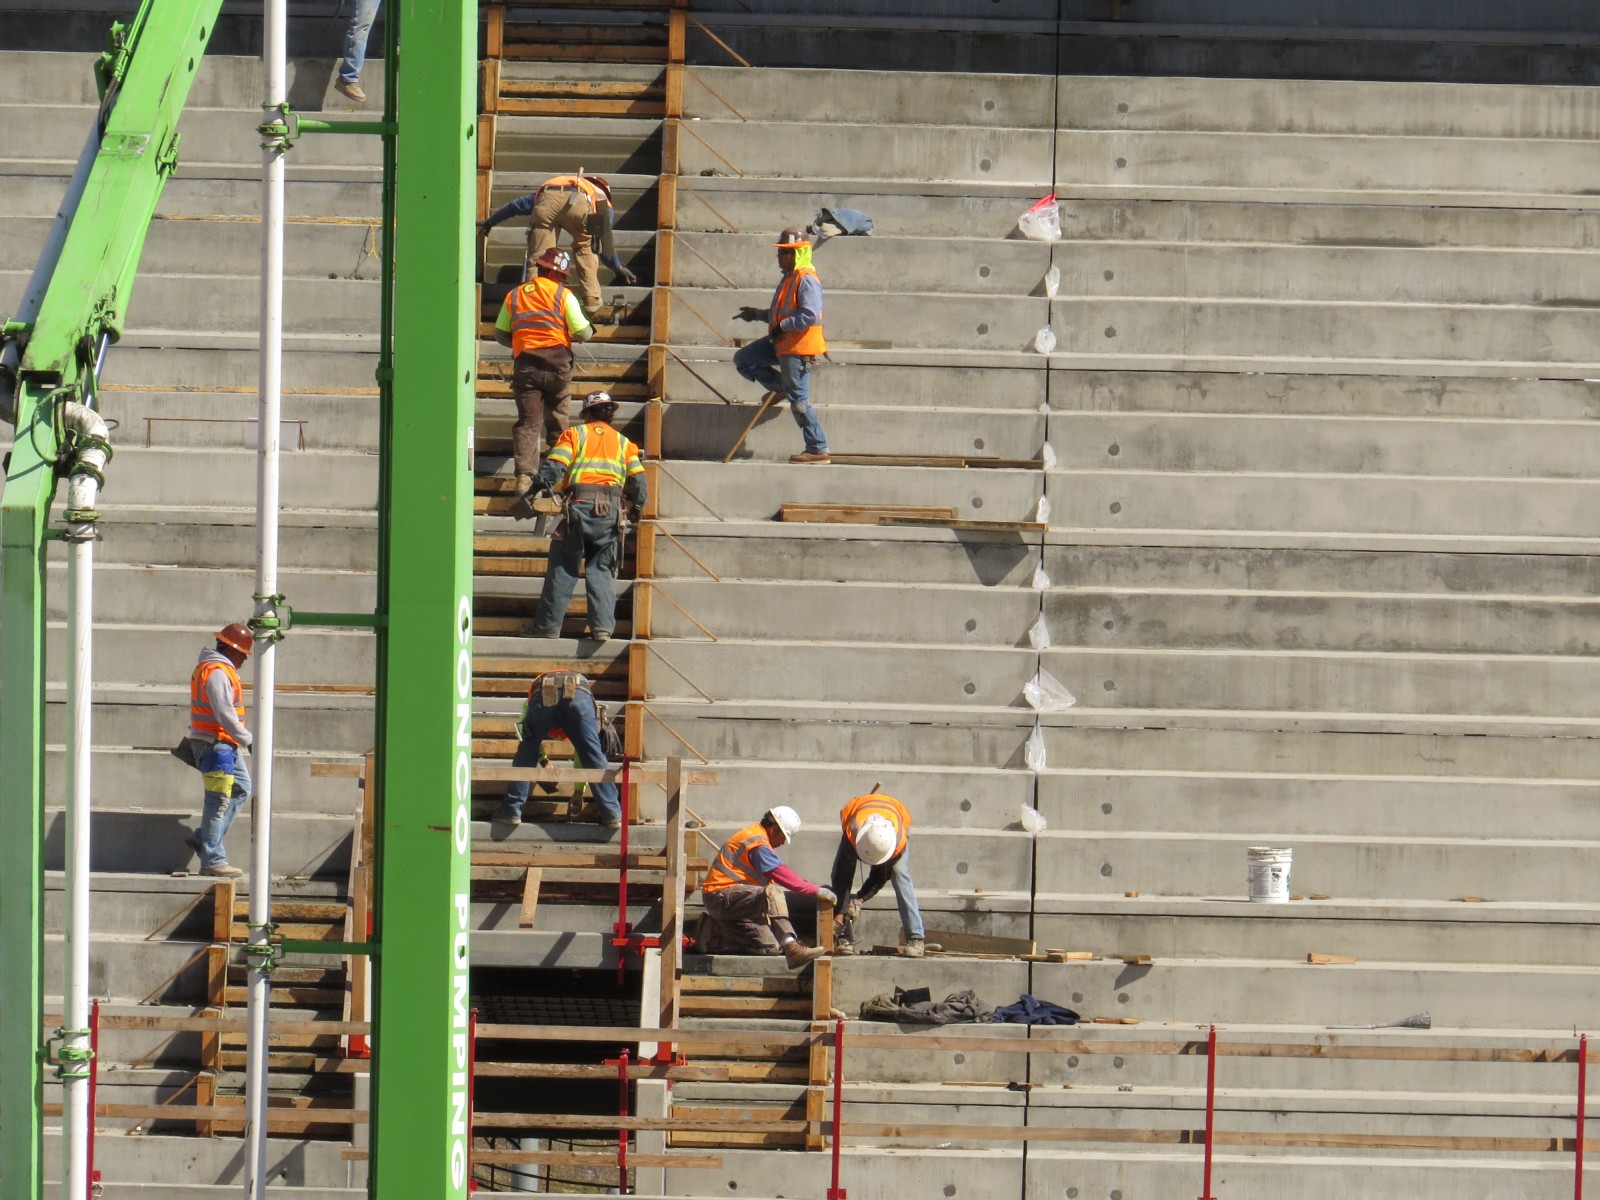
(74, 308)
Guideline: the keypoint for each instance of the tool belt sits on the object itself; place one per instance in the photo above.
(604, 497)
(555, 686)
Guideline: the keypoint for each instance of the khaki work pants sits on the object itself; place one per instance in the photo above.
(554, 211)
(746, 919)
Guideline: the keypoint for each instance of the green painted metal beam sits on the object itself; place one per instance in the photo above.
(147, 77)
(420, 1132)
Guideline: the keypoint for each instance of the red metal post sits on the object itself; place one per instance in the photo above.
(622, 1110)
(94, 1086)
(1583, 1087)
(1211, 1109)
(472, 1081)
(836, 1192)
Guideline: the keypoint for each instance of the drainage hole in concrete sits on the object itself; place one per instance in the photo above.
(983, 164)
(1117, 1061)
(982, 329)
(978, 443)
(1110, 625)
(1072, 1060)
(1122, 997)
(1105, 809)
(1105, 870)
(949, 1189)
(1072, 1194)
(1116, 506)
(959, 1059)
(1110, 685)
(1111, 331)
(1110, 275)
(1122, 108)
(1121, 162)
(1114, 449)
(1077, 997)
(988, 105)
(984, 272)
(977, 502)
(969, 688)
(966, 806)
(971, 625)
(961, 868)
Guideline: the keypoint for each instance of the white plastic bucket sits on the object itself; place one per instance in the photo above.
(1268, 873)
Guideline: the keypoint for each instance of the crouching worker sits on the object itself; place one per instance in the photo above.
(562, 704)
(876, 832)
(745, 908)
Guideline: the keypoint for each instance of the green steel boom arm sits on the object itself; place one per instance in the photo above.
(74, 306)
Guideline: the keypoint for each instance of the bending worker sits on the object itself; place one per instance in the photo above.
(876, 831)
(581, 205)
(217, 741)
(781, 362)
(540, 320)
(745, 908)
(562, 704)
(595, 468)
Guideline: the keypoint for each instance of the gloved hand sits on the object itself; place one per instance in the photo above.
(484, 226)
(827, 895)
(627, 277)
(852, 910)
(749, 312)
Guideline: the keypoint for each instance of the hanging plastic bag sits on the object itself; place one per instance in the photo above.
(1041, 581)
(1033, 752)
(1042, 221)
(1032, 820)
(1039, 634)
(1052, 282)
(1045, 340)
(1042, 515)
(1046, 693)
(1049, 457)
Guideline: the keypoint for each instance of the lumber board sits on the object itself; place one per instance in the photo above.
(336, 770)
(695, 1072)
(767, 985)
(860, 514)
(530, 897)
(746, 1006)
(562, 106)
(560, 53)
(1342, 960)
(594, 89)
(953, 941)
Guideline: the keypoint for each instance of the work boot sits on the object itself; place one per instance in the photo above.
(798, 955)
(506, 816)
(352, 90)
(523, 484)
(600, 635)
(913, 948)
(843, 945)
(222, 870)
(806, 456)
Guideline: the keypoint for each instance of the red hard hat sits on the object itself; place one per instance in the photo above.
(237, 637)
(602, 184)
(554, 261)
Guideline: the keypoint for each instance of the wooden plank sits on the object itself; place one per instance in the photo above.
(862, 514)
(558, 106)
(582, 89)
(675, 36)
(222, 901)
(1342, 960)
(205, 1095)
(486, 141)
(336, 770)
(489, 86)
(530, 897)
(674, 83)
(216, 975)
(765, 985)
(520, 1070)
(746, 1006)
(494, 41)
(297, 910)
(955, 942)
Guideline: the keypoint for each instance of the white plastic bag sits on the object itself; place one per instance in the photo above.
(1045, 340)
(1052, 282)
(1041, 581)
(1039, 634)
(1049, 457)
(1046, 694)
(1032, 820)
(1033, 752)
(1042, 221)
(1043, 514)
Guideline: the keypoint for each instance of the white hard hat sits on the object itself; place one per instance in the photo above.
(876, 838)
(786, 819)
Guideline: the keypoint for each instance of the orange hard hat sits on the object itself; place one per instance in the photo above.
(237, 637)
(554, 261)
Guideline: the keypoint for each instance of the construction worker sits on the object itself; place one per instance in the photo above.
(595, 468)
(561, 703)
(745, 908)
(540, 320)
(581, 205)
(876, 830)
(781, 362)
(216, 744)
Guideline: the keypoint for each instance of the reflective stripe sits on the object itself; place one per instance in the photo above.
(732, 866)
(201, 718)
(854, 815)
(595, 453)
(538, 315)
(807, 342)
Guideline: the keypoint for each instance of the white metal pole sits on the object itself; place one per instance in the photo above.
(75, 1043)
(274, 93)
(82, 490)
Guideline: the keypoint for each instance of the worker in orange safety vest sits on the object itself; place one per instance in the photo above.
(876, 831)
(540, 320)
(745, 908)
(782, 361)
(216, 744)
(581, 206)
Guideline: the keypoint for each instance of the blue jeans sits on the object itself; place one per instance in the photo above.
(760, 362)
(362, 14)
(576, 718)
(223, 798)
(895, 871)
(586, 541)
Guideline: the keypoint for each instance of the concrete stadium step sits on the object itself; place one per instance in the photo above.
(186, 419)
(196, 596)
(38, 196)
(296, 1166)
(889, 98)
(144, 362)
(150, 716)
(1511, 933)
(1191, 862)
(141, 905)
(635, 198)
(223, 479)
(323, 658)
(304, 845)
(695, 377)
(553, 145)
(304, 783)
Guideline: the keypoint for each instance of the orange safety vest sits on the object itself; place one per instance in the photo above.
(201, 718)
(538, 315)
(596, 454)
(853, 815)
(596, 196)
(807, 342)
(732, 866)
